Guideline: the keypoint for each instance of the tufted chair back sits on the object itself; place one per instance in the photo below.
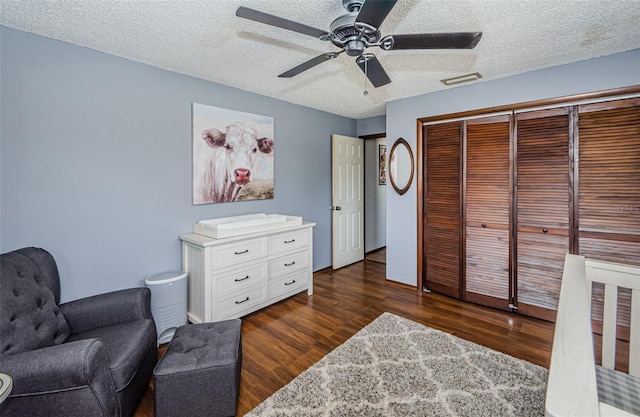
(29, 296)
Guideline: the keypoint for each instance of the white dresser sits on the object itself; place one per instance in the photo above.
(234, 276)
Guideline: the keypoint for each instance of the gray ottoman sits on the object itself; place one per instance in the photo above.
(199, 375)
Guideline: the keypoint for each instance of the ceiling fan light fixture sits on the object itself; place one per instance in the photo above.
(462, 79)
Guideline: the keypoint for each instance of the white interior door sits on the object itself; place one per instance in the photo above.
(347, 169)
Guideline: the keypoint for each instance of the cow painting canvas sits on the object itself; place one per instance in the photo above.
(232, 155)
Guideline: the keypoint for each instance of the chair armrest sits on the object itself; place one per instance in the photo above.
(61, 368)
(107, 309)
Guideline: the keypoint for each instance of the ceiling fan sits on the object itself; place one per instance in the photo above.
(357, 30)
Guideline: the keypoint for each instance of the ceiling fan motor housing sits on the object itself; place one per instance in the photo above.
(345, 35)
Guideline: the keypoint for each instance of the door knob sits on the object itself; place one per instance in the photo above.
(336, 208)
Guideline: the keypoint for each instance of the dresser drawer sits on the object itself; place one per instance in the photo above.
(284, 242)
(244, 300)
(239, 252)
(288, 263)
(241, 278)
(295, 281)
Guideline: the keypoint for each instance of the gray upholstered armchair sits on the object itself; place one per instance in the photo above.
(88, 357)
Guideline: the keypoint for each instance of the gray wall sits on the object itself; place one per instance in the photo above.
(614, 71)
(372, 125)
(375, 198)
(96, 161)
(375, 195)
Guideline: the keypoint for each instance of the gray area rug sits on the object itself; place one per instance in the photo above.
(396, 367)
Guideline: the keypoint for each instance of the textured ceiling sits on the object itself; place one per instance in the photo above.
(205, 39)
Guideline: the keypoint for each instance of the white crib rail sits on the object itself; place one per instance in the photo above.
(572, 388)
(614, 275)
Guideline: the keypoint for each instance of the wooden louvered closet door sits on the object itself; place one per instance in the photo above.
(609, 190)
(487, 211)
(543, 195)
(442, 241)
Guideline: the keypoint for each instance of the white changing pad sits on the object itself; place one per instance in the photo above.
(240, 225)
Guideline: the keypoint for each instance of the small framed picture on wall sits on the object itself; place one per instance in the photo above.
(382, 164)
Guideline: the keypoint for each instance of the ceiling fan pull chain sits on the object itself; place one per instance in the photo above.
(365, 93)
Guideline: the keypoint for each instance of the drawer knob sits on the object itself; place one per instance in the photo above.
(242, 301)
(545, 230)
(241, 279)
(289, 264)
(289, 283)
(484, 225)
(241, 252)
(289, 241)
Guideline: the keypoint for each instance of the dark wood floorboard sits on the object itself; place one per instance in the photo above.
(378, 255)
(282, 340)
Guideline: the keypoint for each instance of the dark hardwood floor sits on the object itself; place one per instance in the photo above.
(282, 340)
(378, 255)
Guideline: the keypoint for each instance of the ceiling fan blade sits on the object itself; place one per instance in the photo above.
(373, 12)
(375, 73)
(309, 64)
(280, 22)
(454, 40)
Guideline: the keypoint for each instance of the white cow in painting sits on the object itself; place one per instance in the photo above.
(228, 162)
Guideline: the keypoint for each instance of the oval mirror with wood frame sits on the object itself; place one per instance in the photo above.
(401, 166)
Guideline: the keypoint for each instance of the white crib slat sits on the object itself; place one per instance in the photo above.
(623, 276)
(634, 338)
(609, 321)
